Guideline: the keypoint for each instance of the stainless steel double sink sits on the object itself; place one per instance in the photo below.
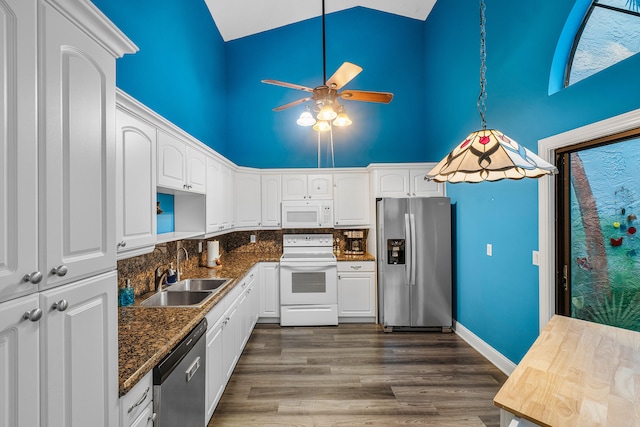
(186, 293)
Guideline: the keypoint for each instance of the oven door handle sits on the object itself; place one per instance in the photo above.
(295, 268)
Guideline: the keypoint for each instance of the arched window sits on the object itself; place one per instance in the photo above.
(609, 33)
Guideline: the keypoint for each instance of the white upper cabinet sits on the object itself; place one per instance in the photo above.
(196, 171)
(77, 146)
(180, 167)
(18, 150)
(421, 187)
(248, 207)
(271, 199)
(406, 182)
(135, 185)
(351, 201)
(219, 201)
(307, 186)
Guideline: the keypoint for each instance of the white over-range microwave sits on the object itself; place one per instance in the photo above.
(307, 214)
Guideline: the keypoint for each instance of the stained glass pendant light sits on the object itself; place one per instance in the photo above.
(488, 154)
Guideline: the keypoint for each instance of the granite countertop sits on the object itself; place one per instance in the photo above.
(147, 334)
(577, 373)
(365, 257)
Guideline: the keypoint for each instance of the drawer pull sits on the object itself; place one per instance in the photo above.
(139, 402)
(356, 267)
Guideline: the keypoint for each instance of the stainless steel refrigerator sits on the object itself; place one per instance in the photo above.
(414, 263)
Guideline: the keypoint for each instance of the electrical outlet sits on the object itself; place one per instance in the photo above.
(489, 249)
(253, 238)
(535, 258)
(199, 247)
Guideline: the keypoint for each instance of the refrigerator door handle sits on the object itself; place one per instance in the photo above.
(412, 221)
(409, 246)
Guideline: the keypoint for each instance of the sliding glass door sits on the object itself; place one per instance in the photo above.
(597, 239)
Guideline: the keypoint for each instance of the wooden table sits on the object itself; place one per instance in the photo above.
(577, 373)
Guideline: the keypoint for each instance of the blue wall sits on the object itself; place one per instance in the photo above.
(179, 71)
(390, 50)
(497, 297)
(186, 73)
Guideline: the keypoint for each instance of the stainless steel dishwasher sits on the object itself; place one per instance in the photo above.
(179, 383)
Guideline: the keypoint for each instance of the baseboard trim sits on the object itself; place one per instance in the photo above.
(490, 353)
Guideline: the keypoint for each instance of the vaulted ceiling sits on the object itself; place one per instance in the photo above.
(240, 18)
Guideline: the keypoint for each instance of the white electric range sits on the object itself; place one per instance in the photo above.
(308, 281)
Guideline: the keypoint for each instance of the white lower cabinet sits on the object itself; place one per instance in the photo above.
(356, 291)
(79, 335)
(19, 361)
(249, 309)
(269, 291)
(230, 323)
(146, 417)
(58, 356)
(216, 380)
(136, 407)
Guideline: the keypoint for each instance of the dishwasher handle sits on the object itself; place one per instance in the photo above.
(191, 371)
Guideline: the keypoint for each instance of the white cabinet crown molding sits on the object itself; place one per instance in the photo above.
(126, 102)
(92, 21)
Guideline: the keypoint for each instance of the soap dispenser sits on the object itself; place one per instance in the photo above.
(126, 295)
(172, 275)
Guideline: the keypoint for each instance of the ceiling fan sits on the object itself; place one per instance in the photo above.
(325, 97)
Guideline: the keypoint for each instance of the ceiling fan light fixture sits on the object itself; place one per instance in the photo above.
(322, 126)
(342, 119)
(327, 113)
(306, 119)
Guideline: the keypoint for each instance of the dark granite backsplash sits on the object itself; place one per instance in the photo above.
(140, 270)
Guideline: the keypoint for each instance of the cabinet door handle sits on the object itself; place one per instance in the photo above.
(33, 315)
(60, 305)
(122, 244)
(34, 277)
(139, 402)
(60, 270)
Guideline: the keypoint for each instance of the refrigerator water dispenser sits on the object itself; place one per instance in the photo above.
(395, 251)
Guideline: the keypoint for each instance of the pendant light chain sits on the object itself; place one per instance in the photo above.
(482, 98)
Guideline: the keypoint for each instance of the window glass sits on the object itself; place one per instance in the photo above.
(609, 36)
(602, 227)
(620, 4)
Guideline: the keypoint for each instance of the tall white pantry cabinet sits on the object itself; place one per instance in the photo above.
(58, 302)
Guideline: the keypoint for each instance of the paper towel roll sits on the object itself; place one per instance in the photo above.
(213, 253)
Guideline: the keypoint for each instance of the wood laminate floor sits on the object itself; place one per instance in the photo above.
(355, 375)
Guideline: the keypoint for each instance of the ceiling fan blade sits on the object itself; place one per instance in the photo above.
(292, 104)
(289, 85)
(367, 96)
(343, 75)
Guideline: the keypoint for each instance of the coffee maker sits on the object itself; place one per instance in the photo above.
(354, 242)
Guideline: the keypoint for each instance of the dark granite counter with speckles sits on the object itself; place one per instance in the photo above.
(147, 334)
(365, 257)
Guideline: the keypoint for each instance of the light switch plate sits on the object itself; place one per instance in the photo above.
(253, 238)
(489, 249)
(535, 258)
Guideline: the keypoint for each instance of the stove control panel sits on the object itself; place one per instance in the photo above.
(302, 240)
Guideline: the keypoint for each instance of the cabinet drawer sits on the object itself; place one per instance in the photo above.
(215, 314)
(136, 401)
(146, 418)
(356, 266)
